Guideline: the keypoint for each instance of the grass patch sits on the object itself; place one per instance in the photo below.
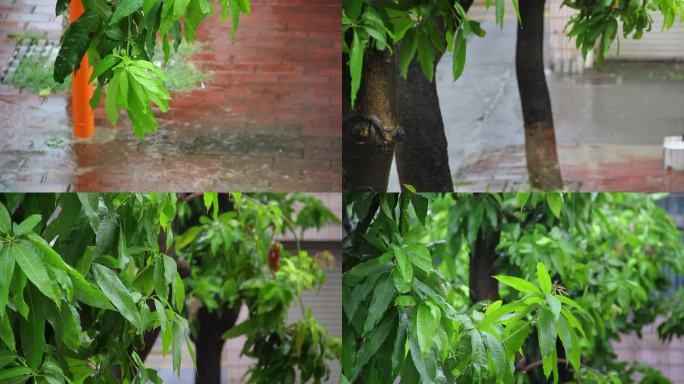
(35, 74)
(183, 75)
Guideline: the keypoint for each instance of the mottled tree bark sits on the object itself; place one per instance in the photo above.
(482, 285)
(370, 130)
(540, 138)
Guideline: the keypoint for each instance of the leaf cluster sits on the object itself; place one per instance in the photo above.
(76, 276)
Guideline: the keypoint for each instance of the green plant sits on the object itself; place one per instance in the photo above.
(78, 291)
(419, 268)
(126, 32)
(235, 259)
(35, 74)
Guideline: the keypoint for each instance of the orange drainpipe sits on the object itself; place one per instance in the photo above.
(81, 89)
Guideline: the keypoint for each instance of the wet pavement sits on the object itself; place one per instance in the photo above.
(268, 118)
(602, 117)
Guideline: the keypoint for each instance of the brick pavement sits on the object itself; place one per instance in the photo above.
(268, 118)
(585, 168)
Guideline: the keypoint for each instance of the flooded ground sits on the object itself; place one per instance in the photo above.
(268, 118)
(604, 119)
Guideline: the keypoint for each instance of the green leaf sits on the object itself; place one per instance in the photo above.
(523, 197)
(75, 43)
(238, 330)
(33, 266)
(371, 344)
(6, 272)
(104, 65)
(407, 50)
(479, 353)
(554, 304)
(382, 297)
(117, 293)
(518, 284)
(403, 264)
(178, 292)
(420, 205)
(6, 333)
(420, 256)
(426, 326)
(15, 373)
(546, 328)
(125, 8)
(543, 278)
(459, 59)
(496, 353)
(67, 324)
(570, 343)
(5, 220)
(27, 225)
(572, 303)
(356, 53)
(516, 338)
(555, 202)
(32, 331)
(112, 98)
(426, 55)
(177, 345)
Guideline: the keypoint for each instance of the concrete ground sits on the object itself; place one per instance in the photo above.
(268, 118)
(609, 122)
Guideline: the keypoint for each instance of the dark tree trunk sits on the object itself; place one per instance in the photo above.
(209, 344)
(540, 139)
(370, 130)
(422, 156)
(482, 285)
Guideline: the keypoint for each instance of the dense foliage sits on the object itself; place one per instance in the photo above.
(572, 272)
(76, 277)
(235, 259)
(430, 28)
(120, 39)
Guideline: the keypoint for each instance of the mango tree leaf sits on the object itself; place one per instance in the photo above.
(518, 284)
(543, 278)
(382, 297)
(32, 331)
(555, 202)
(547, 333)
(75, 43)
(6, 333)
(5, 220)
(6, 271)
(27, 225)
(125, 8)
(117, 293)
(33, 266)
(425, 328)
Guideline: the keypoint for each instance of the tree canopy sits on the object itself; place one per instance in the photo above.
(88, 281)
(426, 29)
(569, 274)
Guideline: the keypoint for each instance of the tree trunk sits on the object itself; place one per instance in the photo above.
(209, 344)
(482, 285)
(370, 129)
(540, 139)
(422, 157)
